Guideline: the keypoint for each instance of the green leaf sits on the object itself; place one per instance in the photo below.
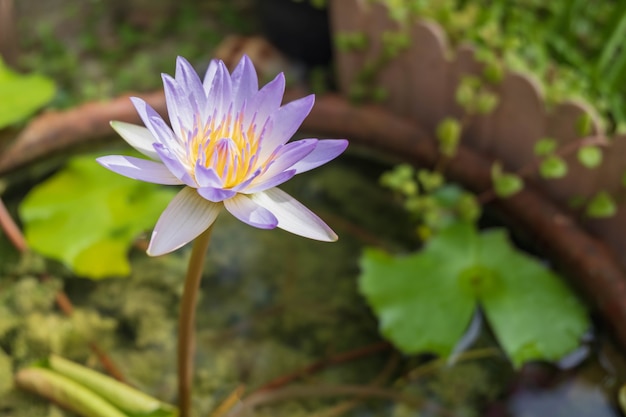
(584, 125)
(430, 180)
(505, 184)
(553, 167)
(590, 156)
(544, 147)
(534, 316)
(486, 102)
(424, 301)
(417, 298)
(601, 205)
(448, 135)
(87, 217)
(21, 95)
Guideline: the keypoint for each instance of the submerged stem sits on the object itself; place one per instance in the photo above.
(8, 225)
(186, 323)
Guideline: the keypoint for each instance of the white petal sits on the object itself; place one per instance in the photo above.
(293, 216)
(246, 210)
(138, 137)
(184, 219)
(139, 169)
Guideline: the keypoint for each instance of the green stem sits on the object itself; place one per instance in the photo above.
(186, 323)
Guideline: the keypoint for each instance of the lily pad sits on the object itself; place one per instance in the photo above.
(425, 300)
(21, 95)
(87, 217)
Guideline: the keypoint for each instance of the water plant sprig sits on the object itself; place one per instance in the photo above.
(227, 144)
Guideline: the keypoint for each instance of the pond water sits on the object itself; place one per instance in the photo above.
(273, 303)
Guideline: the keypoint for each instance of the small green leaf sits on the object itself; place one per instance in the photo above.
(400, 179)
(448, 134)
(87, 217)
(584, 124)
(21, 95)
(601, 205)
(430, 180)
(505, 184)
(494, 71)
(486, 102)
(590, 156)
(544, 147)
(466, 91)
(351, 41)
(553, 167)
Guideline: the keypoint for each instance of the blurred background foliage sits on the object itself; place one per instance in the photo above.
(574, 47)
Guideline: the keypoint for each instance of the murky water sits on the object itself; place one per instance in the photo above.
(273, 303)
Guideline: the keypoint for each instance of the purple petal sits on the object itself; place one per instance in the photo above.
(148, 116)
(265, 102)
(287, 156)
(207, 177)
(270, 182)
(166, 136)
(325, 151)
(246, 210)
(175, 166)
(244, 185)
(293, 216)
(138, 137)
(187, 78)
(219, 96)
(245, 82)
(180, 106)
(286, 120)
(139, 169)
(215, 194)
(183, 220)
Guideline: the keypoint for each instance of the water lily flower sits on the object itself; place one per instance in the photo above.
(228, 144)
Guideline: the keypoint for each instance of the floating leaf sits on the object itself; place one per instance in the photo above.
(601, 205)
(553, 167)
(590, 156)
(419, 311)
(425, 301)
(87, 217)
(21, 95)
(505, 184)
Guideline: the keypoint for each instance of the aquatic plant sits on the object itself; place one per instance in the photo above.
(228, 145)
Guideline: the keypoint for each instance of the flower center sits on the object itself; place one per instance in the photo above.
(226, 147)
